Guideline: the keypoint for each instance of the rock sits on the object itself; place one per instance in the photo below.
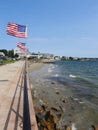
(39, 110)
(55, 108)
(44, 129)
(52, 120)
(43, 123)
(61, 121)
(68, 128)
(50, 125)
(64, 100)
(62, 108)
(43, 101)
(95, 127)
(72, 107)
(57, 92)
(43, 91)
(52, 82)
(44, 107)
(49, 119)
(57, 102)
(60, 116)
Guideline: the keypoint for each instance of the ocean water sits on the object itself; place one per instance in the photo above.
(77, 81)
(80, 76)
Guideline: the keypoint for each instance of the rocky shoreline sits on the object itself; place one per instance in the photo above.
(57, 109)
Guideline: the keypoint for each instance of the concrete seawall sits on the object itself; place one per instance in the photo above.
(11, 97)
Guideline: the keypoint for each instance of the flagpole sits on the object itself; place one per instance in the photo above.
(26, 40)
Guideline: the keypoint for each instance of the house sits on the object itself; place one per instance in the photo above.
(2, 54)
(20, 53)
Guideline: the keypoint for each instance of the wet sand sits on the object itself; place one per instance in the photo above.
(59, 98)
(34, 66)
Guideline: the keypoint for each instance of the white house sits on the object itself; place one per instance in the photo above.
(20, 54)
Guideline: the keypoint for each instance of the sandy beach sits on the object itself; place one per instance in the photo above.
(34, 66)
(55, 106)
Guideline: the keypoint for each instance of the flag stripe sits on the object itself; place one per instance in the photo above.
(23, 51)
(16, 30)
(21, 45)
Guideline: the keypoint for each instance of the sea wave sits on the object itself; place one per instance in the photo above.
(56, 75)
(73, 76)
(50, 70)
(85, 80)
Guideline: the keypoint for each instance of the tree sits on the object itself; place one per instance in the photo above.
(71, 58)
(4, 51)
(11, 53)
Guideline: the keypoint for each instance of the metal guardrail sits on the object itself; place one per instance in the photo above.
(26, 114)
(11, 109)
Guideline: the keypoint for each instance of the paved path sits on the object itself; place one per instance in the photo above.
(11, 97)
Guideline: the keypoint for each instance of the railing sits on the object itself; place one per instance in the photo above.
(26, 114)
(12, 109)
(21, 106)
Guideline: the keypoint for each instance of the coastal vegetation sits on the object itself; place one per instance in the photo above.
(3, 62)
(8, 61)
(7, 56)
(9, 53)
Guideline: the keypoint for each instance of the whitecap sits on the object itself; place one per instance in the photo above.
(75, 99)
(49, 70)
(72, 76)
(56, 75)
(81, 102)
(53, 67)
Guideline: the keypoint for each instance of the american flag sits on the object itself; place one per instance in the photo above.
(21, 45)
(23, 51)
(16, 30)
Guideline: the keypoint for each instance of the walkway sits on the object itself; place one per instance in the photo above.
(11, 98)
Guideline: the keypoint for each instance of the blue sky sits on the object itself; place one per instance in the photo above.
(60, 27)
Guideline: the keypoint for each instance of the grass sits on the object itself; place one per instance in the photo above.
(3, 62)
